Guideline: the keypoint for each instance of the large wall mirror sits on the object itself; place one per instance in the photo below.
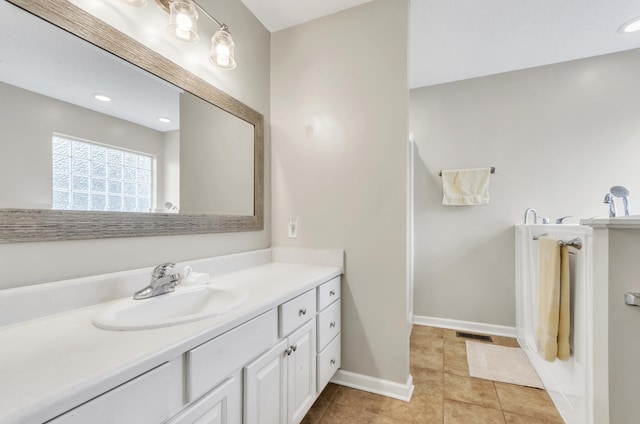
(169, 154)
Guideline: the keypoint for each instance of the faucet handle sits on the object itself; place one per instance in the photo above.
(161, 270)
(560, 220)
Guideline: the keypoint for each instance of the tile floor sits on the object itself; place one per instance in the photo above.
(444, 392)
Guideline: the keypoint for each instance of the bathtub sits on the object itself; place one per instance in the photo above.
(570, 382)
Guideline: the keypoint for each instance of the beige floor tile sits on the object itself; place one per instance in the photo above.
(465, 413)
(471, 390)
(526, 401)
(340, 414)
(429, 343)
(426, 343)
(455, 358)
(321, 404)
(443, 392)
(424, 377)
(427, 331)
(523, 419)
(505, 341)
(425, 405)
(426, 358)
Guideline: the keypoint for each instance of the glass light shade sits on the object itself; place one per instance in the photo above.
(135, 3)
(183, 21)
(222, 49)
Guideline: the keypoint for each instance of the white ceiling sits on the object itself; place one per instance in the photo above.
(452, 40)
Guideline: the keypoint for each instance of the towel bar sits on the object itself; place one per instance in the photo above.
(576, 242)
(493, 171)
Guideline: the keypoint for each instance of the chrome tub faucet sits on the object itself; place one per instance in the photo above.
(161, 282)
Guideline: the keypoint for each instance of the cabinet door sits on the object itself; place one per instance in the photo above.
(301, 372)
(222, 405)
(264, 387)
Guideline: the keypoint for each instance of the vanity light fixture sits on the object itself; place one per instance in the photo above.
(630, 26)
(183, 25)
(101, 97)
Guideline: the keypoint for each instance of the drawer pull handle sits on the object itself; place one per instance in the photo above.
(294, 347)
(288, 351)
(333, 324)
(302, 311)
(333, 362)
(332, 293)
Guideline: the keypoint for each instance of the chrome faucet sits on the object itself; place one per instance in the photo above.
(526, 215)
(161, 282)
(608, 198)
(544, 219)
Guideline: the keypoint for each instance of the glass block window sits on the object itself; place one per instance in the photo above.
(94, 177)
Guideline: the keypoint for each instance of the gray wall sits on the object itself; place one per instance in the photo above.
(28, 121)
(216, 160)
(40, 262)
(559, 136)
(339, 103)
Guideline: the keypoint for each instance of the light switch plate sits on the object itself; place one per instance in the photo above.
(293, 227)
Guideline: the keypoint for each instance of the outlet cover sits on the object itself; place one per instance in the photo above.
(293, 227)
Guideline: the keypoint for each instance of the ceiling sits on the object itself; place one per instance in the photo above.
(452, 40)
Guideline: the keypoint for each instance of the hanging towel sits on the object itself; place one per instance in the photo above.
(552, 328)
(465, 186)
(564, 325)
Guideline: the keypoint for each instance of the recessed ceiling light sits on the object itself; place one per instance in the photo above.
(630, 26)
(165, 120)
(101, 97)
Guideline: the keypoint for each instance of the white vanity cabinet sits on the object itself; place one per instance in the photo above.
(222, 405)
(267, 367)
(280, 386)
(146, 399)
(329, 327)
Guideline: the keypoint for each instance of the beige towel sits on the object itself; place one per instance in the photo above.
(552, 329)
(465, 186)
(564, 325)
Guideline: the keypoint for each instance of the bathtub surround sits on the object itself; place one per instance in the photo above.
(339, 126)
(560, 136)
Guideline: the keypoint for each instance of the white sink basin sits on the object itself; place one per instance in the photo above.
(185, 304)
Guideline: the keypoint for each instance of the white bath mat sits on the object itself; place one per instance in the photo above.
(501, 363)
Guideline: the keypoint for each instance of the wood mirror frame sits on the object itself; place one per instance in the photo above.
(22, 225)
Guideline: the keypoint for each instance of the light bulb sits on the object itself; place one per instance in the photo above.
(222, 47)
(183, 21)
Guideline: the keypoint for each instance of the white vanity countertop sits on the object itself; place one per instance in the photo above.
(632, 221)
(52, 364)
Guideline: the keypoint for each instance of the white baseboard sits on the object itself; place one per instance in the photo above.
(375, 385)
(475, 327)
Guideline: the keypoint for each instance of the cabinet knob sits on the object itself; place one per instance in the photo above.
(294, 347)
(303, 311)
(333, 324)
(288, 351)
(332, 293)
(333, 362)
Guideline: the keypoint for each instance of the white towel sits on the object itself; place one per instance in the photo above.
(465, 186)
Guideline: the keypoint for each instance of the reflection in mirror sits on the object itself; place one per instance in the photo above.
(32, 115)
(71, 151)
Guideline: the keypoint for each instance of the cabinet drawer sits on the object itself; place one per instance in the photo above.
(209, 363)
(143, 400)
(328, 363)
(328, 293)
(297, 311)
(328, 325)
